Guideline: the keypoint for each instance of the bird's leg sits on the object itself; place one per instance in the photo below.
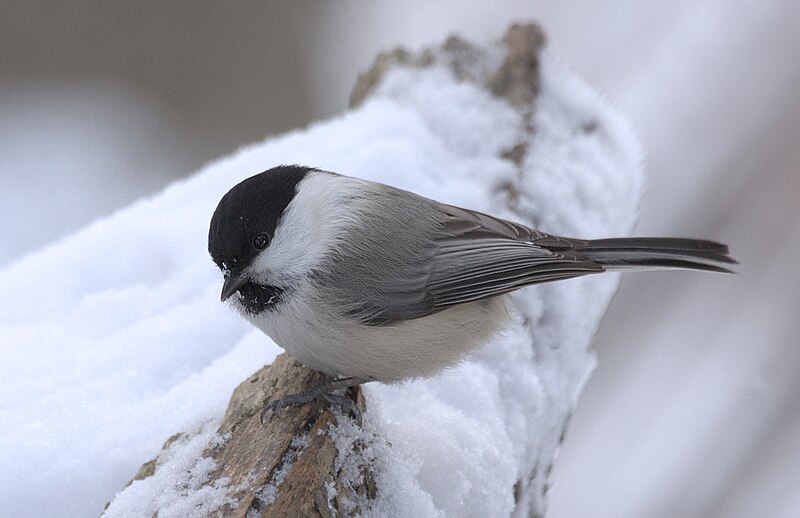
(323, 389)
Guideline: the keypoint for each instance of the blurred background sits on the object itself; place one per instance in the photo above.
(694, 409)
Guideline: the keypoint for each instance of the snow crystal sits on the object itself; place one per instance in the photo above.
(266, 495)
(113, 339)
(395, 472)
(179, 488)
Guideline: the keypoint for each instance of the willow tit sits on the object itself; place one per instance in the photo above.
(365, 282)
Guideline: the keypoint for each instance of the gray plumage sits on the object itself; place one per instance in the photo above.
(365, 280)
(447, 255)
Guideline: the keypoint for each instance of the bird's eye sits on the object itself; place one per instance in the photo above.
(261, 241)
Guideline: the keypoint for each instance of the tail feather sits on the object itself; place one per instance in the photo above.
(638, 253)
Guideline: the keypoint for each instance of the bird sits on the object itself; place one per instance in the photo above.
(366, 282)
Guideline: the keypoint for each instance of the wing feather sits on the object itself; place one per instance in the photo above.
(469, 256)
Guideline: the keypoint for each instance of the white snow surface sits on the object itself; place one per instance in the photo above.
(180, 486)
(114, 338)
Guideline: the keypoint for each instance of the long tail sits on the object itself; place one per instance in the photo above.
(640, 253)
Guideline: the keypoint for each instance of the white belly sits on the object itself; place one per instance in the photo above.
(415, 348)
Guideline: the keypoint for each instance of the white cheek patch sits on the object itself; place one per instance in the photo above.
(309, 228)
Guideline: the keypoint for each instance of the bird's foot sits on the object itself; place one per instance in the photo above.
(346, 405)
(325, 390)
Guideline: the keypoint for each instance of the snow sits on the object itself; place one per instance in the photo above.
(267, 494)
(179, 487)
(114, 339)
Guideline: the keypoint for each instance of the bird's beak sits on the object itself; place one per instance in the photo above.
(232, 283)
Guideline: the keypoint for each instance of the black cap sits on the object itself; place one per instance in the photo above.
(251, 208)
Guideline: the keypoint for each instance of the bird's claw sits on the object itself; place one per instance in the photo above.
(326, 391)
(291, 400)
(346, 406)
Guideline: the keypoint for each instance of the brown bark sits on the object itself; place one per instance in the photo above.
(254, 453)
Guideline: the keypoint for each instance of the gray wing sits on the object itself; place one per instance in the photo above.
(443, 257)
(480, 256)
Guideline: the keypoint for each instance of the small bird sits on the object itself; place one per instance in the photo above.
(367, 282)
